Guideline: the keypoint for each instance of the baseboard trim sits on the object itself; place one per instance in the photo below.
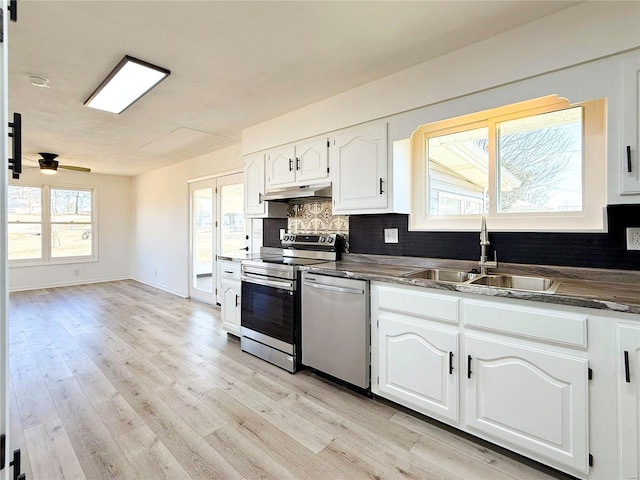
(67, 284)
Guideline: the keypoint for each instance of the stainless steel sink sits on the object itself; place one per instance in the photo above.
(516, 282)
(438, 275)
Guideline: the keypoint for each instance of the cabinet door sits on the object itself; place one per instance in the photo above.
(629, 400)
(418, 365)
(254, 185)
(530, 398)
(312, 160)
(281, 168)
(359, 169)
(230, 307)
(631, 125)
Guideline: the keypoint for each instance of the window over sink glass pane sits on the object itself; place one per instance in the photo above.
(458, 172)
(540, 163)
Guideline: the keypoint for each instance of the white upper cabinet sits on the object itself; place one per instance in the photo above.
(630, 161)
(297, 164)
(254, 189)
(366, 179)
(358, 159)
(312, 160)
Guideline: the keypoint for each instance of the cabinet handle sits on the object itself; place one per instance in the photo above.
(629, 158)
(297, 163)
(228, 271)
(468, 366)
(259, 197)
(246, 249)
(381, 191)
(290, 165)
(236, 300)
(450, 363)
(627, 373)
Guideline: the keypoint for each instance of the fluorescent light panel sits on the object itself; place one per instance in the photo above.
(129, 81)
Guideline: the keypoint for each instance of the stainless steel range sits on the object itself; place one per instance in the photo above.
(270, 308)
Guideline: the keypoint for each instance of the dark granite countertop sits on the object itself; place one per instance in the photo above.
(612, 290)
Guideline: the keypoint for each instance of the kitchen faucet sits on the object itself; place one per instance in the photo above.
(484, 263)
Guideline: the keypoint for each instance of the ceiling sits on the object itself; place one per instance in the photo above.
(233, 64)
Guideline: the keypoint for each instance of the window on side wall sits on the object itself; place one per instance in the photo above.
(536, 165)
(49, 224)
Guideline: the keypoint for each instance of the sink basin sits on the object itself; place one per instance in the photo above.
(440, 275)
(516, 282)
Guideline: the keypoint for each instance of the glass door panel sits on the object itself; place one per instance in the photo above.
(232, 234)
(203, 281)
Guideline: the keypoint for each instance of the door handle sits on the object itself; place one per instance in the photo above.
(13, 8)
(15, 163)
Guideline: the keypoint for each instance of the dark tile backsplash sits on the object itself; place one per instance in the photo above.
(595, 250)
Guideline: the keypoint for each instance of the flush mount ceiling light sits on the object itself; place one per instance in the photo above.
(126, 83)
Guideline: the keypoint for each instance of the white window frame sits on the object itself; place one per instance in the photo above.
(594, 191)
(46, 223)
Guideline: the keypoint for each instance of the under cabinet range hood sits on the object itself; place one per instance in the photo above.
(304, 192)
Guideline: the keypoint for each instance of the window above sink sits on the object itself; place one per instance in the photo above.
(538, 165)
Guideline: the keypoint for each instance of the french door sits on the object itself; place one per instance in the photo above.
(217, 228)
(4, 136)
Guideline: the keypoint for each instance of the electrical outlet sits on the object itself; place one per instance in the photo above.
(633, 238)
(390, 235)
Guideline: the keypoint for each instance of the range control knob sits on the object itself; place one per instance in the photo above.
(321, 239)
(330, 239)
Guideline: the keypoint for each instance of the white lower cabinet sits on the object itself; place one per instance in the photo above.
(533, 398)
(418, 365)
(231, 285)
(629, 400)
(515, 373)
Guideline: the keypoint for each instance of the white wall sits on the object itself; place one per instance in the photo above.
(113, 228)
(575, 35)
(161, 218)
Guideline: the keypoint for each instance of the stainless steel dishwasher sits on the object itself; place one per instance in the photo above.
(336, 330)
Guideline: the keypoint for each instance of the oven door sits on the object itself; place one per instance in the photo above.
(269, 307)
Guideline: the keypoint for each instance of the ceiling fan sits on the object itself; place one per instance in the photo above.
(49, 165)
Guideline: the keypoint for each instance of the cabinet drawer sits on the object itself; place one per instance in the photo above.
(230, 270)
(534, 323)
(418, 303)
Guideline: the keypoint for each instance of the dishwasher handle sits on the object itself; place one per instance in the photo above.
(331, 288)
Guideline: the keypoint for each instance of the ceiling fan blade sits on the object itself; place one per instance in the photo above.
(78, 169)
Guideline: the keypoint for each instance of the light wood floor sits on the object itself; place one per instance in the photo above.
(120, 380)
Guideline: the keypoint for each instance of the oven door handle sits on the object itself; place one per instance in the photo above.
(331, 288)
(247, 277)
